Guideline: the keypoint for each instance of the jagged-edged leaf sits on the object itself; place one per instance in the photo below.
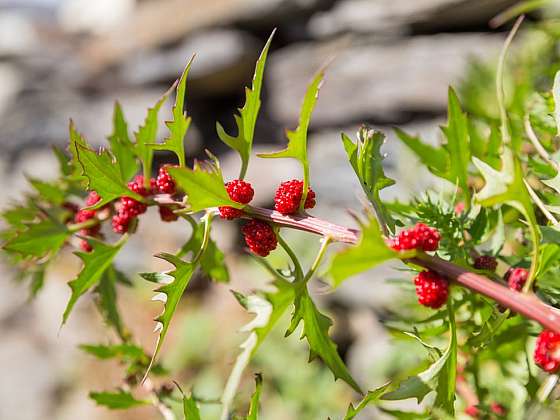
(367, 162)
(457, 146)
(435, 158)
(190, 409)
(49, 191)
(254, 406)
(170, 294)
(267, 310)
(297, 140)
(316, 330)
(17, 216)
(370, 251)
(100, 170)
(37, 281)
(119, 400)
(371, 397)
(445, 390)
(204, 186)
(107, 301)
(146, 138)
(179, 126)
(247, 118)
(39, 239)
(121, 146)
(95, 263)
(64, 165)
(101, 351)
(212, 261)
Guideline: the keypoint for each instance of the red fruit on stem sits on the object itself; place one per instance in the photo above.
(85, 246)
(229, 213)
(547, 351)
(288, 197)
(485, 262)
(260, 237)
(419, 236)
(516, 278)
(240, 192)
(472, 411)
(164, 182)
(498, 409)
(138, 187)
(92, 198)
(166, 214)
(432, 289)
(121, 222)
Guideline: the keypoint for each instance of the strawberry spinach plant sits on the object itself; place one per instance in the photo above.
(483, 256)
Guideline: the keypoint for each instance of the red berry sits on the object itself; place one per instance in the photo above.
(516, 278)
(85, 246)
(138, 187)
(84, 215)
(121, 222)
(547, 351)
(472, 411)
(92, 198)
(432, 289)
(229, 213)
(485, 262)
(240, 191)
(164, 182)
(260, 237)
(419, 236)
(166, 214)
(288, 197)
(498, 409)
(132, 206)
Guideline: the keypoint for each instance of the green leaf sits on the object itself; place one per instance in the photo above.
(190, 409)
(268, 310)
(367, 162)
(95, 263)
(247, 118)
(117, 400)
(204, 186)
(448, 375)
(457, 146)
(107, 301)
(121, 146)
(212, 261)
(104, 352)
(146, 138)
(170, 294)
(434, 158)
(254, 406)
(369, 252)
(371, 397)
(48, 191)
(100, 170)
(316, 331)
(297, 140)
(179, 126)
(39, 239)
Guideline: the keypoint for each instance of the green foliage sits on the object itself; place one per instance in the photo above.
(254, 407)
(190, 409)
(370, 398)
(121, 146)
(247, 118)
(39, 239)
(119, 400)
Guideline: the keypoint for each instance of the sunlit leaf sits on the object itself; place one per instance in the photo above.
(117, 400)
(39, 239)
(121, 146)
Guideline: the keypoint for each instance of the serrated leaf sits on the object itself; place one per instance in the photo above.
(267, 310)
(190, 409)
(107, 301)
(247, 118)
(212, 261)
(179, 126)
(170, 294)
(254, 406)
(95, 263)
(48, 191)
(297, 140)
(117, 400)
(104, 352)
(100, 170)
(146, 138)
(366, 160)
(316, 330)
(39, 239)
(121, 146)
(434, 158)
(370, 251)
(204, 186)
(371, 397)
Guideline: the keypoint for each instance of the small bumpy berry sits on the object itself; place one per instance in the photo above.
(240, 192)
(485, 262)
(260, 237)
(164, 182)
(288, 197)
(92, 198)
(432, 289)
(166, 214)
(129, 208)
(419, 236)
(83, 215)
(516, 278)
(472, 411)
(547, 351)
(498, 409)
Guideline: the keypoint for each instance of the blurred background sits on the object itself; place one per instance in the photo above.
(392, 63)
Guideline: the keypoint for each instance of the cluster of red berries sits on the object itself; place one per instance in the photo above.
(547, 351)
(83, 215)
(432, 289)
(260, 236)
(496, 408)
(419, 236)
(516, 278)
(485, 262)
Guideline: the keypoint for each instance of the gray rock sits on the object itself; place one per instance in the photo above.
(373, 80)
(402, 16)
